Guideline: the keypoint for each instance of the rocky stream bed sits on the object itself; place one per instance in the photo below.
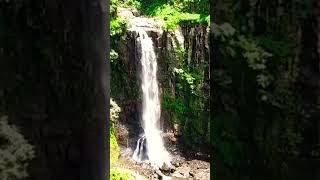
(181, 167)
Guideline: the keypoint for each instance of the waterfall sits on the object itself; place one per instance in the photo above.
(150, 145)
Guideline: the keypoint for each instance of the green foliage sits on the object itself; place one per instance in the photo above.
(254, 104)
(113, 7)
(190, 6)
(176, 106)
(174, 13)
(174, 17)
(131, 4)
(256, 57)
(189, 104)
(117, 174)
(223, 31)
(118, 26)
(185, 76)
(15, 152)
(114, 148)
(207, 19)
(113, 55)
(114, 111)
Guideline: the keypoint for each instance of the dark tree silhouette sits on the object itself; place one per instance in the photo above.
(54, 84)
(293, 24)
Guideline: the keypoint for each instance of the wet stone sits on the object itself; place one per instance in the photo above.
(175, 163)
(165, 167)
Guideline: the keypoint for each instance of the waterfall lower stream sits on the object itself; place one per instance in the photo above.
(150, 146)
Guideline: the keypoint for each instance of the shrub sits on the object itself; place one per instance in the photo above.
(116, 174)
(15, 152)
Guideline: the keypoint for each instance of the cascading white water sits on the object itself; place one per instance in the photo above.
(150, 144)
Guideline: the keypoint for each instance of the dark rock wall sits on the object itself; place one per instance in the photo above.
(195, 43)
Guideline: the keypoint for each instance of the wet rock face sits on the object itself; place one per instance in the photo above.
(194, 39)
(122, 135)
(165, 44)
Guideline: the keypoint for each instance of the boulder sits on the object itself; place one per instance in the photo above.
(175, 163)
(165, 167)
(202, 174)
(185, 171)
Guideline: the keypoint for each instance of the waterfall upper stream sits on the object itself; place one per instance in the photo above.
(150, 146)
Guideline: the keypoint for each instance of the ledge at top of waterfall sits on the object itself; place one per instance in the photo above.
(134, 20)
(150, 147)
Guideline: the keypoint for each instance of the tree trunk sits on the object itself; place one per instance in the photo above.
(54, 84)
(317, 62)
(217, 166)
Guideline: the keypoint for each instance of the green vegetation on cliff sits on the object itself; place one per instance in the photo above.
(175, 12)
(172, 12)
(115, 174)
(114, 148)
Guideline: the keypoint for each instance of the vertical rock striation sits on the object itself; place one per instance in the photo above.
(192, 38)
